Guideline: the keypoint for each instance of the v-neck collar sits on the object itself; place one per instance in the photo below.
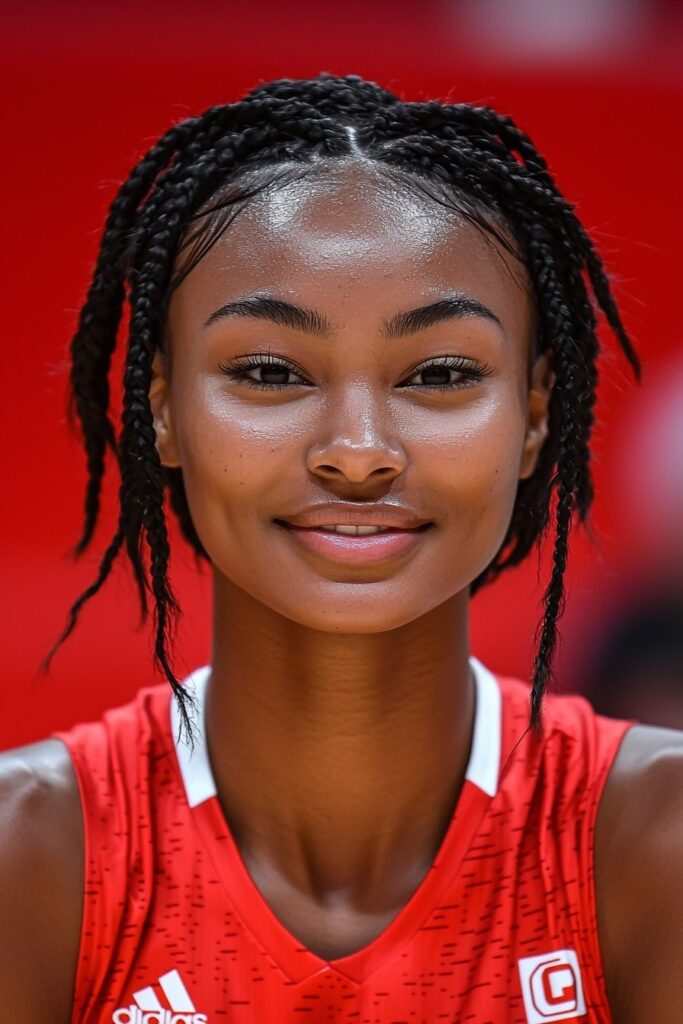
(297, 962)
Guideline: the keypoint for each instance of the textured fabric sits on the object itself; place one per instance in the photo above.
(502, 930)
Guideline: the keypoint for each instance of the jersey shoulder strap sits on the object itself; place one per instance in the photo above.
(119, 762)
(552, 782)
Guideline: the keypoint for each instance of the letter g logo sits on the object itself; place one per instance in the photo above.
(551, 987)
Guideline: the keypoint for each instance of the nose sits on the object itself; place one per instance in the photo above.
(357, 442)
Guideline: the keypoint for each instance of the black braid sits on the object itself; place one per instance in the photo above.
(142, 472)
(182, 196)
(95, 338)
(356, 98)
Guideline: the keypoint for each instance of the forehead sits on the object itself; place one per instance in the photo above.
(346, 235)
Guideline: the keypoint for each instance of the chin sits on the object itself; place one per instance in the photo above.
(353, 624)
(358, 609)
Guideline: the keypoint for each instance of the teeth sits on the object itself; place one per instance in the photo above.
(356, 531)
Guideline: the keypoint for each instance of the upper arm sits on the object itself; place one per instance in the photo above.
(639, 877)
(41, 883)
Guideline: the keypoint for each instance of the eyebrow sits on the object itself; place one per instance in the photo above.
(308, 321)
(286, 314)
(454, 307)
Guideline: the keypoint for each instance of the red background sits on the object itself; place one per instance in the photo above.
(87, 90)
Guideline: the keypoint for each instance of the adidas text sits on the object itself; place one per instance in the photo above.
(134, 1015)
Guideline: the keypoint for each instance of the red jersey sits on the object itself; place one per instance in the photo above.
(502, 929)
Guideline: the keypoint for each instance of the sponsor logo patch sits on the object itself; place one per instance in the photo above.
(552, 987)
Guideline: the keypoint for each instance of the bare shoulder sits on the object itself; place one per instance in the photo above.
(41, 882)
(639, 876)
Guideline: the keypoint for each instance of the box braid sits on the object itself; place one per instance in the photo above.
(182, 195)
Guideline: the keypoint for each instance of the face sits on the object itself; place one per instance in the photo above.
(270, 415)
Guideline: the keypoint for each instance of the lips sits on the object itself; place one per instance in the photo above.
(355, 550)
(396, 517)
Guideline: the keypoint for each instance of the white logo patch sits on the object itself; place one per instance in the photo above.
(552, 987)
(147, 1008)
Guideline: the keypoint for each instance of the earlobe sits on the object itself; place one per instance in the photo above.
(163, 423)
(540, 391)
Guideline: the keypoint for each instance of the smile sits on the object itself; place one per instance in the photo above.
(355, 545)
(355, 531)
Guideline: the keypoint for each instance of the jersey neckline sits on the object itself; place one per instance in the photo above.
(419, 913)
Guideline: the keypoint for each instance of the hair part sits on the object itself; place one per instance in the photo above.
(185, 192)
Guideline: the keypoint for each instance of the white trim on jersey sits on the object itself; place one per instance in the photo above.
(194, 763)
(482, 769)
(484, 764)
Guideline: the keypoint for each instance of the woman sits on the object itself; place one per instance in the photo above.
(361, 362)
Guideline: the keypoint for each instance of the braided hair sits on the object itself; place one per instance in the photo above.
(183, 194)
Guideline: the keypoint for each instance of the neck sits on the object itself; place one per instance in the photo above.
(338, 758)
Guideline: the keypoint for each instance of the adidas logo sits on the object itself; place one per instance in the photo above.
(146, 1007)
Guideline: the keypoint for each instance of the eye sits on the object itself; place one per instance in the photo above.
(263, 371)
(268, 373)
(438, 374)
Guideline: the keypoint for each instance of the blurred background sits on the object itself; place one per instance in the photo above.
(88, 87)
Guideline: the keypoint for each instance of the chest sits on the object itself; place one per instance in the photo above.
(495, 929)
(331, 933)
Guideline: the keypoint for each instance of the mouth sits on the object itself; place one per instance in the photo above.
(356, 548)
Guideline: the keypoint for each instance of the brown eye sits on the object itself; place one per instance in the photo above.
(448, 373)
(262, 371)
(436, 375)
(273, 374)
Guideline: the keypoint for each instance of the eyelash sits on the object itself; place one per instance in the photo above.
(472, 371)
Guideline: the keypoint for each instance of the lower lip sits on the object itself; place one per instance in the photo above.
(356, 550)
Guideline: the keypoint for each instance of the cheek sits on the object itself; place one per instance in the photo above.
(471, 468)
(235, 457)
(472, 464)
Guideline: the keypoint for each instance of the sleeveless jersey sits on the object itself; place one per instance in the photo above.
(501, 930)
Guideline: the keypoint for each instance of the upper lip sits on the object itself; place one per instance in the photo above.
(333, 513)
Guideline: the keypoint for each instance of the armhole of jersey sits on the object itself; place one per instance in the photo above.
(88, 928)
(607, 755)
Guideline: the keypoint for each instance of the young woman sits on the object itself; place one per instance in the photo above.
(361, 363)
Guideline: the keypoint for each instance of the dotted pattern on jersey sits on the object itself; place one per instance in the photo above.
(157, 892)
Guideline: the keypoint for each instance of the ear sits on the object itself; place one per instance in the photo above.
(540, 390)
(163, 423)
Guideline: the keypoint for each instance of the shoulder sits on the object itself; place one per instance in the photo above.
(41, 881)
(571, 753)
(639, 876)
